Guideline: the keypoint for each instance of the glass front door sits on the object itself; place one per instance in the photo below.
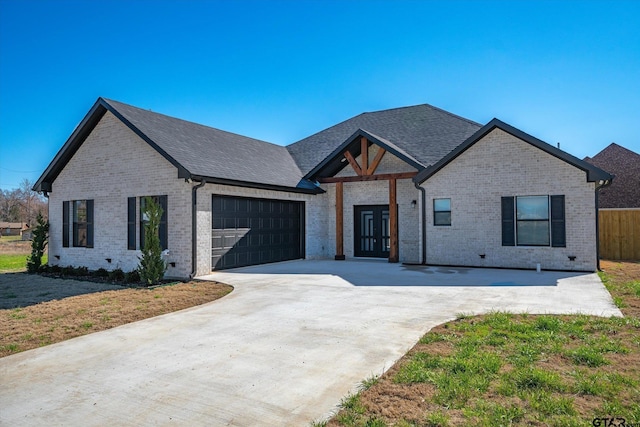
(372, 231)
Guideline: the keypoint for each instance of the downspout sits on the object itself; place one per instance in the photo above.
(598, 188)
(597, 230)
(46, 195)
(194, 232)
(423, 218)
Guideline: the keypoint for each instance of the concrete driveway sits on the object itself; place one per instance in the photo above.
(282, 349)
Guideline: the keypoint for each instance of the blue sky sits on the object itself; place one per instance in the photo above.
(563, 71)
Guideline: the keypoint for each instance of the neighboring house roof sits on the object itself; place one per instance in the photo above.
(20, 225)
(624, 164)
(423, 132)
(197, 151)
(594, 174)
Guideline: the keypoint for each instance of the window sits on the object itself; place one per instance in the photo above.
(441, 211)
(81, 214)
(533, 221)
(163, 232)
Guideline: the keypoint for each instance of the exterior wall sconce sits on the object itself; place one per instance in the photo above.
(413, 203)
(482, 256)
(572, 257)
(108, 260)
(172, 264)
(56, 256)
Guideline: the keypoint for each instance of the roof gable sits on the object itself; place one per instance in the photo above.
(594, 174)
(334, 162)
(197, 151)
(624, 164)
(422, 132)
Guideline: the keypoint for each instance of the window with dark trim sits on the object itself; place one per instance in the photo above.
(81, 223)
(533, 221)
(441, 211)
(163, 232)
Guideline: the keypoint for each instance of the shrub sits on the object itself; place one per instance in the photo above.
(101, 272)
(116, 275)
(68, 271)
(38, 244)
(151, 266)
(132, 277)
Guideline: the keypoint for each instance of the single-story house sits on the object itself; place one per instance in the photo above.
(12, 228)
(414, 184)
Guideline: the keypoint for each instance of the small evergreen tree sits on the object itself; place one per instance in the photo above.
(151, 266)
(38, 244)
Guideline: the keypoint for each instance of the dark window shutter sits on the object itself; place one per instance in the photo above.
(164, 229)
(89, 223)
(131, 223)
(508, 226)
(558, 228)
(141, 223)
(65, 224)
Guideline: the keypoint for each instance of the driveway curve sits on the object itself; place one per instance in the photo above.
(282, 349)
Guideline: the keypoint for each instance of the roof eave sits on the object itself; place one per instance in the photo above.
(593, 173)
(80, 134)
(300, 188)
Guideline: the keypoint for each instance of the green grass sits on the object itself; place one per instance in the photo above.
(15, 262)
(506, 369)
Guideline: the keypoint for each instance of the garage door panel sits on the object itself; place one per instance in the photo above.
(249, 231)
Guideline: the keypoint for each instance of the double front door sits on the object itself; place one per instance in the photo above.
(372, 237)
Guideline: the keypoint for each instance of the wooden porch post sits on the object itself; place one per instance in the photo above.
(393, 222)
(339, 223)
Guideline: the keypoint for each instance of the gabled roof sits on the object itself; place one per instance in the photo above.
(334, 162)
(593, 173)
(624, 164)
(424, 136)
(423, 132)
(197, 151)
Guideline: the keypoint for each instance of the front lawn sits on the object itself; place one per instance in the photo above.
(504, 369)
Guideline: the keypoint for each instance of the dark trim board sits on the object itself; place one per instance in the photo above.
(251, 231)
(593, 173)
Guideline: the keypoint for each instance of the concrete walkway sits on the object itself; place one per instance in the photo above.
(282, 349)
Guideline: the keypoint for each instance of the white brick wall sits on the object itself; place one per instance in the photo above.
(502, 165)
(110, 166)
(114, 164)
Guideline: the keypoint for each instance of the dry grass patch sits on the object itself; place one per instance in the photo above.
(54, 321)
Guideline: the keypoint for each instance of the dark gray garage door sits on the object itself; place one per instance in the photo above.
(255, 231)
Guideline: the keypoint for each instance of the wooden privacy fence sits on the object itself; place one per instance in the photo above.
(619, 233)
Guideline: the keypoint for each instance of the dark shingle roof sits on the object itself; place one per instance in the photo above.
(424, 132)
(624, 191)
(214, 153)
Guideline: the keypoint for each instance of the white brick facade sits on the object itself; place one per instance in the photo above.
(502, 165)
(114, 164)
(111, 165)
